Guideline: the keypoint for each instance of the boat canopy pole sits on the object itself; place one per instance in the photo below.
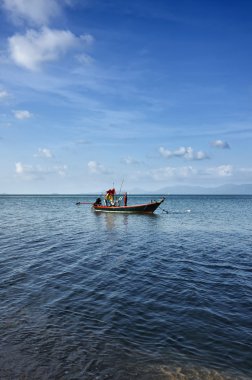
(121, 186)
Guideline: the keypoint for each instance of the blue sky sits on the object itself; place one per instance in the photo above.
(158, 93)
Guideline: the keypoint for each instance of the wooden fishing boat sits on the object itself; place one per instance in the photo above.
(146, 208)
(113, 202)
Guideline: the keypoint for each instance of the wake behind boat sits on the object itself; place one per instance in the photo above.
(113, 202)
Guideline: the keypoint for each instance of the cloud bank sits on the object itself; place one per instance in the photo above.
(30, 172)
(185, 152)
(188, 172)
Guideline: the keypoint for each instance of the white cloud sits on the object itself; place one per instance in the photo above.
(166, 153)
(97, 168)
(20, 168)
(36, 47)
(44, 152)
(29, 172)
(37, 12)
(60, 170)
(189, 173)
(220, 144)
(185, 152)
(130, 161)
(3, 94)
(22, 114)
(221, 171)
(170, 172)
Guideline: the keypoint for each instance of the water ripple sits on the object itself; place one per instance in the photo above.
(99, 296)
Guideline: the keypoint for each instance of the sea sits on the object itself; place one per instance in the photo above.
(86, 295)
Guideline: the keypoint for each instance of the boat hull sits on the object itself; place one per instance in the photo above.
(147, 208)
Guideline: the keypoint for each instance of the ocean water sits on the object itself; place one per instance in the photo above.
(87, 295)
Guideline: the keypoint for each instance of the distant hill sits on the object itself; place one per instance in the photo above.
(245, 189)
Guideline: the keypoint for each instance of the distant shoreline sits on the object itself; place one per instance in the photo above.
(228, 189)
(131, 195)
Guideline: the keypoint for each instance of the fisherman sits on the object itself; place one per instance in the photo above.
(98, 202)
(113, 192)
(109, 198)
(106, 198)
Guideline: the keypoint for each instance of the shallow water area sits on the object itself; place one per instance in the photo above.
(86, 295)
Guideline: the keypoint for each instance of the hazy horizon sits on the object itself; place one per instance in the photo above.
(245, 189)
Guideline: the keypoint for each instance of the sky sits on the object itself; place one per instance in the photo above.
(144, 94)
